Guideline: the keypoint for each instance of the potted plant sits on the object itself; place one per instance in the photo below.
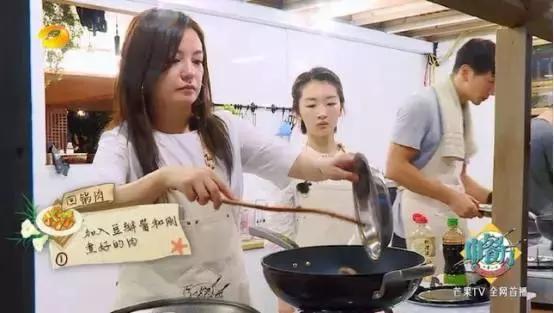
(64, 15)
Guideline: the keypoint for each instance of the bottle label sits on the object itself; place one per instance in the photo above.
(425, 246)
(453, 260)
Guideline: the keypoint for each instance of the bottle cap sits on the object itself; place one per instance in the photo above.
(452, 221)
(419, 218)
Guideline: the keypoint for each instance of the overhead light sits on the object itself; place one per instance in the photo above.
(81, 113)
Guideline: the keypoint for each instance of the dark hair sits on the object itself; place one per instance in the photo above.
(321, 74)
(478, 54)
(152, 41)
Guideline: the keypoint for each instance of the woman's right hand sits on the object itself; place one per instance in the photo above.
(198, 184)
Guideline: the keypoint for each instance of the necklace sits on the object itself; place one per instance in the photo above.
(209, 160)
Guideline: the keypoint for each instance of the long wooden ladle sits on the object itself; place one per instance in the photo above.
(292, 209)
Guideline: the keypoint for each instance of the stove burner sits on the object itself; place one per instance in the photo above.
(539, 261)
(387, 310)
(539, 265)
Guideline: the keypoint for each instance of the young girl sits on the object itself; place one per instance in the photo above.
(165, 144)
(318, 102)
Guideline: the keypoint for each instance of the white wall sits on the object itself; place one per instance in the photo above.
(254, 55)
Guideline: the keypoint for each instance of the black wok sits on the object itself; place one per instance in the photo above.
(309, 278)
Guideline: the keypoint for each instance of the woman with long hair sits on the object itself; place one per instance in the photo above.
(166, 144)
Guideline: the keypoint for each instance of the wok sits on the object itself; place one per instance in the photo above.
(188, 305)
(313, 278)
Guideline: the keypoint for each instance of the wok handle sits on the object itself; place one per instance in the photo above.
(412, 273)
(278, 239)
(486, 210)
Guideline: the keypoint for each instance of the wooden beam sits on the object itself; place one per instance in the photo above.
(295, 5)
(94, 7)
(431, 21)
(535, 14)
(307, 5)
(540, 18)
(396, 12)
(97, 104)
(511, 153)
(434, 33)
(478, 31)
(85, 92)
(277, 4)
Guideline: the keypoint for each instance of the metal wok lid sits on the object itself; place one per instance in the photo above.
(373, 207)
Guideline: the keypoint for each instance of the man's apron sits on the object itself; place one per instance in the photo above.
(448, 171)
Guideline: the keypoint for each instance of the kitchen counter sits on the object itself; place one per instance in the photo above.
(407, 307)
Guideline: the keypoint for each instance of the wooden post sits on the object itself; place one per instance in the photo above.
(511, 150)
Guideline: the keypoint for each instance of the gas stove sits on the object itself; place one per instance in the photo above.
(539, 272)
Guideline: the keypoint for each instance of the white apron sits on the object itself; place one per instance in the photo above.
(447, 171)
(215, 269)
(316, 230)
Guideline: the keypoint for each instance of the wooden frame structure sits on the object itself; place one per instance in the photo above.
(522, 18)
(413, 18)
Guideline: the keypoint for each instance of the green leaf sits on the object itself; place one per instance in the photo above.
(30, 209)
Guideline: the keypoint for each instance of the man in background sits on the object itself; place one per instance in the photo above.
(432, 144)
(540, 165)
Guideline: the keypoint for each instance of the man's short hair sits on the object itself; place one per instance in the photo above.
(478, 54)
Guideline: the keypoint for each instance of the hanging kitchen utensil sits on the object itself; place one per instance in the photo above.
(116, 38)
(188, 305)
(291, 119)
(253, 108)
(373, 208)
(61, 166)
(340, 277)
